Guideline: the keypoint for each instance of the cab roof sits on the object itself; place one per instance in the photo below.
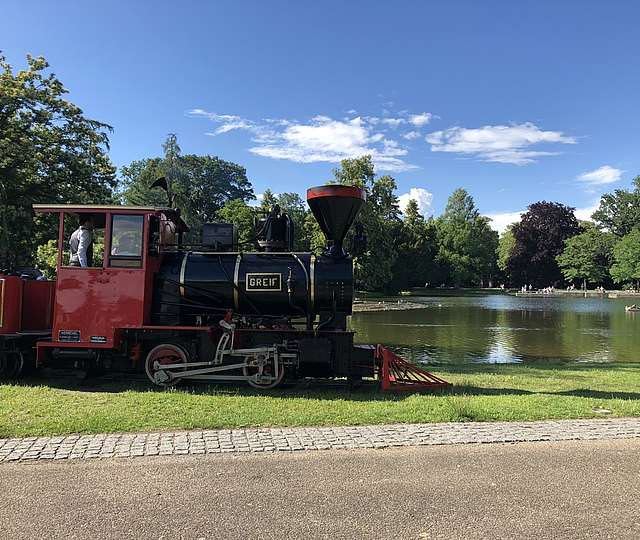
(172, 213)
(86, 208)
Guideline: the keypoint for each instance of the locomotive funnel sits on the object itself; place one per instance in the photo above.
(335, 207)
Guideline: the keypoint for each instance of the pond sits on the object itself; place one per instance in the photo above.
(499, 328)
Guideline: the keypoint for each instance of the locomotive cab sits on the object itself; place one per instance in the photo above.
(94, 304)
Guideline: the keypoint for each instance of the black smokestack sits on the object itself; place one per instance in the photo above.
(335, 207)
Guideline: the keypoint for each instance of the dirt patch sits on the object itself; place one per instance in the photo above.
(363, 306)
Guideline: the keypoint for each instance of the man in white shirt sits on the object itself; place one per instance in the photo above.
(81, 243)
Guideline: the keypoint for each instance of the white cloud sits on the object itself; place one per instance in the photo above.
(411, 135)
(228, 122)
(601, 176)
(257, 201)
(503, 144)
(277, 121)
(328, 140)
(423, 197)
(321, 139)
(392, 148)
(373, 120)
(500, 221)
(394, 122)
(421, 119)
(231, 124)
(198, 112)
(584, 214)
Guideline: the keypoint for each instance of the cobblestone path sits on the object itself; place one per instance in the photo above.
(310, 438)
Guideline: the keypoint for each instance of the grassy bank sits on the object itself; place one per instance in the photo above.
(481, 393)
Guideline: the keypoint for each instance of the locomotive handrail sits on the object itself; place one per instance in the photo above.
(237, 287)
(308, 289)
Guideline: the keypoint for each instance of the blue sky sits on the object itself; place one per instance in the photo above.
(514, 101)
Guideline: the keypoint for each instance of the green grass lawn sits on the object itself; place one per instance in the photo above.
(480, 393)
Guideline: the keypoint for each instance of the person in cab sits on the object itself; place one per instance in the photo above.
(81, 243)
(128, 245)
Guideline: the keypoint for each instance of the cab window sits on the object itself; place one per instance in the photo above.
(95, 256)
(126, 241)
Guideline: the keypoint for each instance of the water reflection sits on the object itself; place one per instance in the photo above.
(502, 328)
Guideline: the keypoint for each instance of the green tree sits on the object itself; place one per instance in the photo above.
(587, 256)
(380, 218)
(416, 251)
(356, 172)
(413, 219)
(619, 212)
(313, 234)
(268, 201)
(49, 153)
(626, 256)
(242, 215)
(506, 245)
(295, 207)
(136, 179)
(485, 252)
(466, 243)
(46, 258)
(200, 185)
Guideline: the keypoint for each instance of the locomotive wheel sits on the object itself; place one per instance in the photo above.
(165, 354)
(11, 364)
(263, 366)
(3, 365)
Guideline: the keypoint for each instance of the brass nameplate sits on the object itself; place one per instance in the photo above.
(264, 282)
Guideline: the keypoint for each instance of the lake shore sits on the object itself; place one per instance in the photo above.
(577, 294)
(365, 306)
(450, 292)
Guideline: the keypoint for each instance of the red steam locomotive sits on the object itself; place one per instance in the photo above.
(207, 312)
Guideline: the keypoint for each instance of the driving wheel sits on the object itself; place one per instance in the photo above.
(164, 355)
(262, 369)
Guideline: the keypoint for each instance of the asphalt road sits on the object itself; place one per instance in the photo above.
(526, 490)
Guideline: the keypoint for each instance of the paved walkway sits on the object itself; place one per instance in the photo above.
(312, 438)
(544, 490)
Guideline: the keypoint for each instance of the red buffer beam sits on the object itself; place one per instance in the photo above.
(399, 375)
